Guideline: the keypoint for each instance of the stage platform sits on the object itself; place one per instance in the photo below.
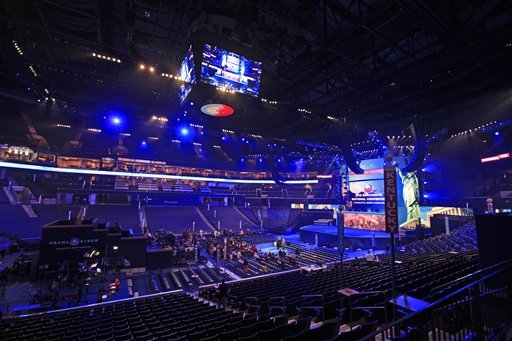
(327, 235)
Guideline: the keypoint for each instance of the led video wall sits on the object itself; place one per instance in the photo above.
(187, 72)
(368, 190)
(364, 221)
(230, 71)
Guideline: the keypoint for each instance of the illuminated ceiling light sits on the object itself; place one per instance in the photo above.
(151, 69)
(18, 49)
(31, 68)
(100, 56)
(142, 66)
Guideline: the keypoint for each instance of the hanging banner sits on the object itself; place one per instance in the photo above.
(391, 199)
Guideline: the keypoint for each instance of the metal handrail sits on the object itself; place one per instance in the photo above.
(435, 304)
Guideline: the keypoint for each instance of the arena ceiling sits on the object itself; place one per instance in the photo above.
(370, 61)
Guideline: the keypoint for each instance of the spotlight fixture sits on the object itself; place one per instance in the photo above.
(142, 66)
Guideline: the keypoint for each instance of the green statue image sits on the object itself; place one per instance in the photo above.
(411, 194)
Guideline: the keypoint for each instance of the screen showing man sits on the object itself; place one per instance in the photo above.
(230, 71)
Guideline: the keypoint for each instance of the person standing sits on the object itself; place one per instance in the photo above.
(246, 265)
(223, 294)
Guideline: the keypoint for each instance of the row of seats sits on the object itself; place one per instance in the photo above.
(175, 219)
(418, 274)
(460, 239)
(184, 278)
(127, 216)
(16, 223)
(227, 216)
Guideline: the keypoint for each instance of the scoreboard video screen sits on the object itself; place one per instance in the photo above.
(187, 72)
(230, 71)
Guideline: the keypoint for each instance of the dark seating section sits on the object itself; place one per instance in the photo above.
(3, 197)
(127, 216)
(184, 278)
(228, 217)
(15, 222)
(179, 316)
(416, 274)
(175, 219)
(50, 213)
(460, 239)
(175, 316)
(249, 214)
(274, 217)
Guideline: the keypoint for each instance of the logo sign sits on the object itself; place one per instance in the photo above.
(391, 196)
(74, 241)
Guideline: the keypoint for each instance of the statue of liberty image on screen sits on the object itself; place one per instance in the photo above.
(411, 194)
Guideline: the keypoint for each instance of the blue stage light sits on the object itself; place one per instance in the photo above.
(184, 131)
(116, 120)
(191, 104)
(261, 160)
(224, 138)
(497, 133)
(242, 159)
